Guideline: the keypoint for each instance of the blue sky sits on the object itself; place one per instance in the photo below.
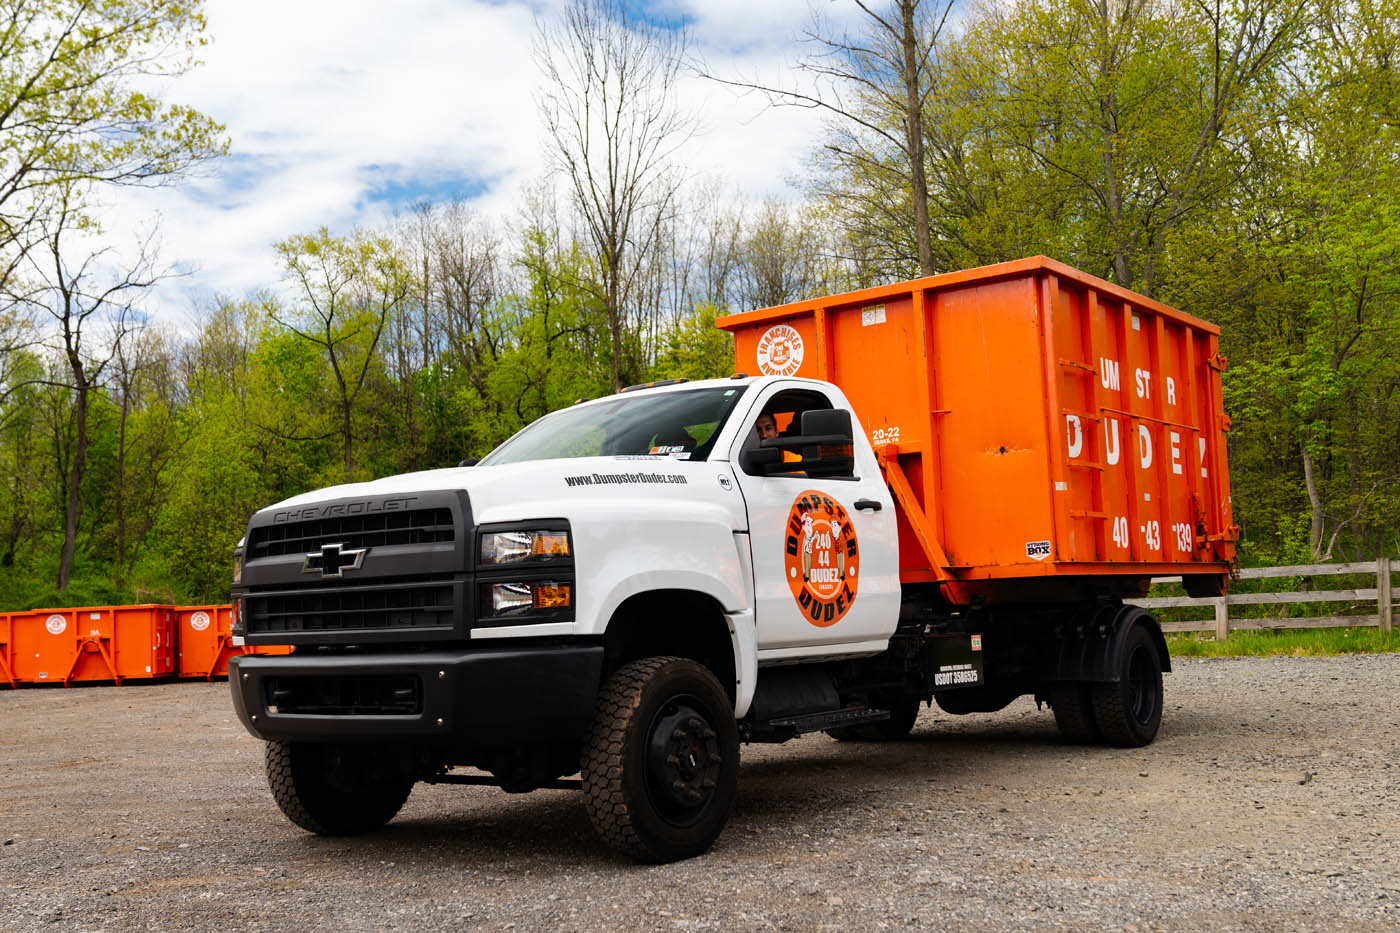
(341, 114)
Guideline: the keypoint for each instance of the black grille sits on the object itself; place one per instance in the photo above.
(411, 526)
(345, 695)
(407, 604)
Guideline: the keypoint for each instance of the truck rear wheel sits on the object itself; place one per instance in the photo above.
(903, 714)
(335, 790)
(1129, 712)
(661, 765)
(1073, 706)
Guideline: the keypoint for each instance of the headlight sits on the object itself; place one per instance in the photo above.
(509, 547)
(238, 565)
(513, 598)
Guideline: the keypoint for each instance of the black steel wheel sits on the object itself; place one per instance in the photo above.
(336, 790)
(661, 764)
(1128, 713)
(1073, 706)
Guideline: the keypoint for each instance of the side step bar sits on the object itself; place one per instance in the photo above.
(789, 727)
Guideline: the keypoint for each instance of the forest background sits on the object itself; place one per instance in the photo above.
(1234, 158)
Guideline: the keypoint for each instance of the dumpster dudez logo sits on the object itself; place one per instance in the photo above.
(780, 351)
(56, 624)
(821, 558)
(199, 621)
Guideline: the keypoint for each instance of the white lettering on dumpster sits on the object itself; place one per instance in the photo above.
(1112, 450)
(1108, 373)
(1144, 446)
(1075, 435)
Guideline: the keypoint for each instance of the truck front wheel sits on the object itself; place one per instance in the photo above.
(661, 764)
(335, 790)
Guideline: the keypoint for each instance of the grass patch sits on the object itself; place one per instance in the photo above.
(1303, 642)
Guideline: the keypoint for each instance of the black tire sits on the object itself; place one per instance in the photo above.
(903, 714)
(661, 764)
(1074, 712)
(335, 790)
(1129, 713)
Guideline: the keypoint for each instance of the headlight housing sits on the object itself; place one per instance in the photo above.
(525, 573)
(238, 565)
(513, 547)
(522, 596)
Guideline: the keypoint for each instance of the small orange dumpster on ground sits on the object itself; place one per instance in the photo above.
(206, 641)
(6, 668)
(93, 643)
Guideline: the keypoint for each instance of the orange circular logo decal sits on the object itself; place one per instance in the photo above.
(821, 558)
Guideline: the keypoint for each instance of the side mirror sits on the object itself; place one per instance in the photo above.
(827, 426)
(825, 446)
(759, 461)
(470, 461)
(828, 440)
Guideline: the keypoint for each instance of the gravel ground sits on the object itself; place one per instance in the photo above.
(1269, 801)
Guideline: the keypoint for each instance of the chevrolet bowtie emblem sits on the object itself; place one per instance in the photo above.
(333, 560)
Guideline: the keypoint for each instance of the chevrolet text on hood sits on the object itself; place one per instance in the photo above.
(923, 496)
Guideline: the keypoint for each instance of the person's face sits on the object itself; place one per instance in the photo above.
(766, 427)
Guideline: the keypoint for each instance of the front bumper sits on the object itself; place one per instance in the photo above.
(477, 697)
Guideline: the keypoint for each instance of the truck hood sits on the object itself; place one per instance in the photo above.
(553, 487)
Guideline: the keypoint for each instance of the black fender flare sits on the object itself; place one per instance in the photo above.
(1091, 648)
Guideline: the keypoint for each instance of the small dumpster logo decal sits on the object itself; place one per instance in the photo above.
(199, 621)
(780, 351)
(1037, 550)
(821, 558)
(56, 624)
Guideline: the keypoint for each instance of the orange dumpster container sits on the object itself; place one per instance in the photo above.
(206, 641)
(6, 666)
(1044, 432)
(93, 643)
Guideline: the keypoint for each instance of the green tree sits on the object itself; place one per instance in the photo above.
(75, 104)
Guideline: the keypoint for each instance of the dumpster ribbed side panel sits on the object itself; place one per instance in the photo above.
(1042, 422)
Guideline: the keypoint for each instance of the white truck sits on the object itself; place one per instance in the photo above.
(626, 590)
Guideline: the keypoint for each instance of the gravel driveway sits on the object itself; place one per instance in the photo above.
(1271, 800)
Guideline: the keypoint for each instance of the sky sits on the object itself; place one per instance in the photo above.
(340, 114)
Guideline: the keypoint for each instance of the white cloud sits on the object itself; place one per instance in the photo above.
(337, 111)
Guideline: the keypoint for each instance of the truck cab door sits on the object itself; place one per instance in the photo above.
(824, 548)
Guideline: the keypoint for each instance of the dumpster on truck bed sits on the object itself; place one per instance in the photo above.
(1035, 423)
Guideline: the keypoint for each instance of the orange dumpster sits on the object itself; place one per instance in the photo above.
(93, 643)
(1038, 426)
(206, 641)
(6, 668)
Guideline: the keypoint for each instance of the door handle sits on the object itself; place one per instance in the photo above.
(871, 504)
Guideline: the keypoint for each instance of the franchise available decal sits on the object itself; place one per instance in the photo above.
(780, 351)
(821, 558)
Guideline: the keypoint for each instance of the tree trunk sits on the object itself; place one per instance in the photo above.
(73, 507)
(1315, 526)
(914, 134)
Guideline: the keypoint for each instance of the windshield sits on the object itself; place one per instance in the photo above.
(679, 425)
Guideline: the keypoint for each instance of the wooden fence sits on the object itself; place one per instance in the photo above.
(1380, 595)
